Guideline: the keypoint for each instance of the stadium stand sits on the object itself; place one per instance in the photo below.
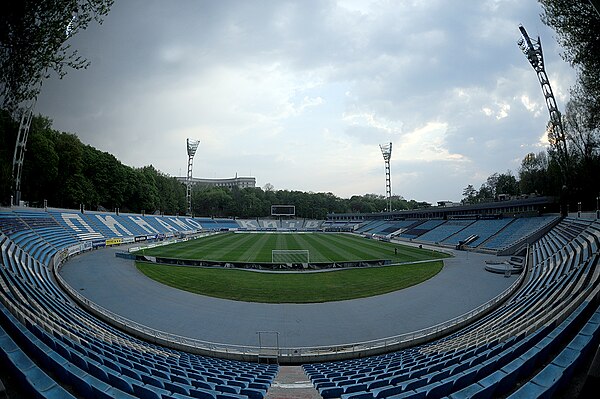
(443, 231)
(56, 350)
(529, 346)
(419, 228)
(516, 231)
(483, 229)
(391, 227)
(369, 226)
(538, 338)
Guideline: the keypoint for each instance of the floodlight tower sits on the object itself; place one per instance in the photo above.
(386, 151)
(556, 134)
(192, 146)
(20, 148)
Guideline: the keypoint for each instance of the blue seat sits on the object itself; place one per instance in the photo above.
(378, 383)
(202, 393)
(100, 372)
(568, 359)
(85, 384)
(144, 392)
(227, 389)
(532, 389)
(331, 392)
(253, 393)
(120, 383)
(176, 388)
(491, 384)
(464, 379)
(152, 380)
(355, 388)
(410, 395)
(357, 395)
(229, 396)
(439, 389)
(387, 391)
(468, 392)
(581, 343)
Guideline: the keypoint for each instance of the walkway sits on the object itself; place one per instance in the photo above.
(116, 284)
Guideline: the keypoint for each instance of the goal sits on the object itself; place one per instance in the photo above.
(290, 256)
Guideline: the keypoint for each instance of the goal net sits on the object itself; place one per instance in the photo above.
(290, 256)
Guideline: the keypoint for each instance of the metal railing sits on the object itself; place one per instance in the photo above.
(286, 354)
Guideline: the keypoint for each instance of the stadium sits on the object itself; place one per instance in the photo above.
(79, 320)
(208, 294)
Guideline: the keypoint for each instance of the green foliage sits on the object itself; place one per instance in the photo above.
(295, 288)
(8, 136)
(33, 36)
(67, 173)
(256, 202)
(58, 167)
(495, 185)
(248, 286)
(326, 247)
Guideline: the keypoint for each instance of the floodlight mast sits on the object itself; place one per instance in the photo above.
(192, 146)
(556, 134)
(21, 148)
(386, 151)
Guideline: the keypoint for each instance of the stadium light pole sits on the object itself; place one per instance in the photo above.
(24, 126)
(386, 151)
(192, 146)
(21, 148)
(556, 134)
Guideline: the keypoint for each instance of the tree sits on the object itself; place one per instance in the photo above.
(469, 194)
(33, 41)
(507, 184)
(583, 137)
(533, 174)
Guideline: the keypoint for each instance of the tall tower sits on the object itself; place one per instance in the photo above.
(192, 146)
(556, 134)
(386, 151)
(20, 148)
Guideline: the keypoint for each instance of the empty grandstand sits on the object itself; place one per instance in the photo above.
(545, 330)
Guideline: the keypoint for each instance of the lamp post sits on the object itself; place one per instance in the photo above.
(192, 146)
(579, 209)
(386, 151)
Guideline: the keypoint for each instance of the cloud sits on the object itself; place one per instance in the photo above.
(300, 93)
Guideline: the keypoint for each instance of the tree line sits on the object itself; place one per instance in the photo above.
(66, 173)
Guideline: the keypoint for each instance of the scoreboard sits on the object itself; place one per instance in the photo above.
(283, 210)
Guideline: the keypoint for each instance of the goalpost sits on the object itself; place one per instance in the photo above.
(290, 256)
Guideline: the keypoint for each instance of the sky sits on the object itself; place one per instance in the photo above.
(301, 93)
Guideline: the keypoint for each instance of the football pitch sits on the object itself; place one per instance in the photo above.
(322, 247)
(286, 287)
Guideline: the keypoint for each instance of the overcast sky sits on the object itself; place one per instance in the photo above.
(301, 93)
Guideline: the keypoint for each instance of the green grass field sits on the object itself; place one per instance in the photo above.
(304, 287)
(248, 247)
(249, 286)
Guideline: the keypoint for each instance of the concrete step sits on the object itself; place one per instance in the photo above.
(292, 383)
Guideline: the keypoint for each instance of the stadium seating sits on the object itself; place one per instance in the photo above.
(515, 231)
(445, 230)
(49, 343)
(538, 338)
(483, 229)
(420, 227)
